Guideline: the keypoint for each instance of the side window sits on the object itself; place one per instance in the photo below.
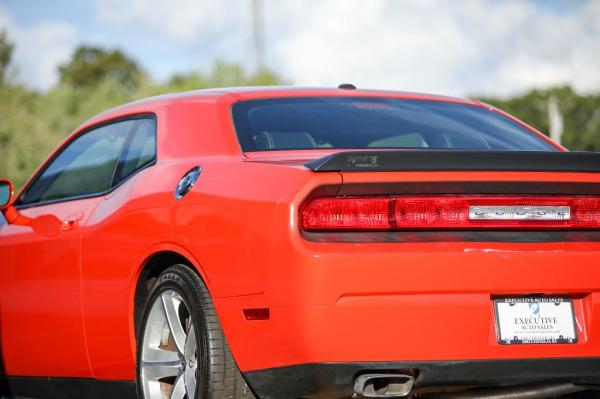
(140, 150)
(85, 167)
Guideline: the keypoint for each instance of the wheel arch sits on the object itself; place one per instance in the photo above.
(154, 263)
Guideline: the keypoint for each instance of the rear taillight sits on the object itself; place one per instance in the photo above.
(451, 212)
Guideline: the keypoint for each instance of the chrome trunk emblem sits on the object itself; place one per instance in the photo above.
(519, 212)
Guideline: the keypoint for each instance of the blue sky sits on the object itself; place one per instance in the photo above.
(459, 47)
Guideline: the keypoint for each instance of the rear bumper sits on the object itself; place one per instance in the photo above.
(380, 328)
(336, 380)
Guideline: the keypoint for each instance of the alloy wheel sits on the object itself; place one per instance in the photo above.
(169, 358)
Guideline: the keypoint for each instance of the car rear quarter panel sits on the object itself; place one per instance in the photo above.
(138, 219)
(224, 226)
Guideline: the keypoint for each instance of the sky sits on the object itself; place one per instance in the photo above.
(453, 47)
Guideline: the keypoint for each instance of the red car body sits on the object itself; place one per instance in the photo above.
(290, 304)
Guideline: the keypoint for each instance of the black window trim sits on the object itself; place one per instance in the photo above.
(112, 186)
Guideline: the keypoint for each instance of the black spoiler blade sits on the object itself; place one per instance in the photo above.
(442, 160)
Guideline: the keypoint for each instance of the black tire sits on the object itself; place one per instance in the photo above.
(218, 375)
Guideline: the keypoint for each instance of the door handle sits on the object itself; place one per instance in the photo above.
(71, 222)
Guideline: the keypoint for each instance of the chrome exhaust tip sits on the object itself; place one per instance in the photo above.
(383, 385)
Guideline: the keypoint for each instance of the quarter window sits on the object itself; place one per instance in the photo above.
(95, 161)
(139, 152)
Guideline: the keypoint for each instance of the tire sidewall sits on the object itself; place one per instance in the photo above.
(172, 279)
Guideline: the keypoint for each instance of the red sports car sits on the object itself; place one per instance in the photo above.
(293, 243)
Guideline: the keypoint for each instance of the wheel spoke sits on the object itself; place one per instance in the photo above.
(155, 371)
(170, 307)
(190, 383)
(190, 345)
(191, 363)
(153, 355)
(157, 363)
(179, 389)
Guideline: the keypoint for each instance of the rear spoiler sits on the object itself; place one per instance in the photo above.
(444, 160)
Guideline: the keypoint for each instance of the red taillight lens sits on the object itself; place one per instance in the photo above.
(451, 212)
(371, 213)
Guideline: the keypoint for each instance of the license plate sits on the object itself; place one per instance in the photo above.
(538, 320)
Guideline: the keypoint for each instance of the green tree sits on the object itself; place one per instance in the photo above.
(15, 104)
(221, 74)
(94, 80)
(90, 66)
(6, 51)
(580, 114)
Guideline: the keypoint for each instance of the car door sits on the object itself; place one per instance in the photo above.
(124, 224)
(41, 323)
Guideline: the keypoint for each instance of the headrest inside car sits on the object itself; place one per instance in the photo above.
(284, 141)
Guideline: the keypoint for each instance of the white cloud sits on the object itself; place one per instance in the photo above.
(39, 49)
(202, 29)
(454, 47)
(184, 22)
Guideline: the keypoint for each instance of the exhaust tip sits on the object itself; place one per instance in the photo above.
(383, 385)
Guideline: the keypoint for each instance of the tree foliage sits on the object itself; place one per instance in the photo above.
(91, 66)
(6, 50)
(94, 80)
(580, 114)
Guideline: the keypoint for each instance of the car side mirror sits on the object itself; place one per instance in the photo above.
(47, 225)
(6, 193)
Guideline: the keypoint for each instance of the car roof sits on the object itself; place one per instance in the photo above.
(235, 94)
(254, 92)
(257, 92)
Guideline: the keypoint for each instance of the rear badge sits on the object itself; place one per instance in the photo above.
(360, 161)
(519, 212)
(187, 182)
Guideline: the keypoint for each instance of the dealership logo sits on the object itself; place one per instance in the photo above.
(534, 308)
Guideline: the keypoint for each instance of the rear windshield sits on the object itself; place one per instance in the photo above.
(358, 123)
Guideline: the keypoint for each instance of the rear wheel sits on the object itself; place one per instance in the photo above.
(181, 350)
